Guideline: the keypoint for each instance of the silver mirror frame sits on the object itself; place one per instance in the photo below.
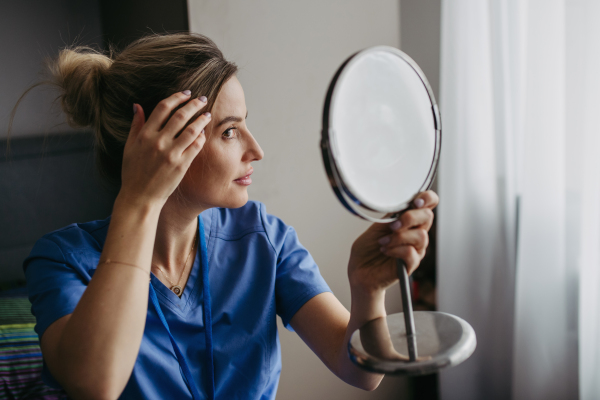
(336, 178)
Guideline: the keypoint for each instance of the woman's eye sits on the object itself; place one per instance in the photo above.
(229, 133)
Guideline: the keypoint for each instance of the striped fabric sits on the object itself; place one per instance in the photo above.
(20, 355)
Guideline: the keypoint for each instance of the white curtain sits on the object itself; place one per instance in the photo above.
(519, 182)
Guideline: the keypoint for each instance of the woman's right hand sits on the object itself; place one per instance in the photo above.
(156, 156)
(92, 352)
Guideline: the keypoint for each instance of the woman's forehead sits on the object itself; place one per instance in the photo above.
(230, 100)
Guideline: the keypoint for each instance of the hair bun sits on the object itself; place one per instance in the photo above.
(77, 72)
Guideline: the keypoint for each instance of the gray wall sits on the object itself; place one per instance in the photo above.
(30, 31)
(288, 52)
(40, 194)
(420, 29)
(126, 20)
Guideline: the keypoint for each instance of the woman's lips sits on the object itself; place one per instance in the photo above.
(245, 180)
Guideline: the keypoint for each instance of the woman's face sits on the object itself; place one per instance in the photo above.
(220, 175)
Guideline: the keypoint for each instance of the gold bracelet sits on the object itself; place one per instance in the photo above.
(109, 261)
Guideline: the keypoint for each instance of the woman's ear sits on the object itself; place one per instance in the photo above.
(139, 120)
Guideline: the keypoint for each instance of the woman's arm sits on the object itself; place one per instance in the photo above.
(323, 322)
(325, 326)
(92, 351)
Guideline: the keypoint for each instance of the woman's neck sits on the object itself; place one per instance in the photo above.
(175, 235)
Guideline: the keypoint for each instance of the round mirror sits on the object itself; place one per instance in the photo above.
(380, 144)
(381, 132)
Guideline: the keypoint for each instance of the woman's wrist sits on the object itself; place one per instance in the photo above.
(135, 204)
(366, 305)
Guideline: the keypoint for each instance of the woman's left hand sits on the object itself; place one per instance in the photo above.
(372, 266)
(371, 269)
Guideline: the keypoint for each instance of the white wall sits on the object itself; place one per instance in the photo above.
(287, 52)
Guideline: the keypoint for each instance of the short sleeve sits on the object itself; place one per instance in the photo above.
(54, 287)
(297, 276)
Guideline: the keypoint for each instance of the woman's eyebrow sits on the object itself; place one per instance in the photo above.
(231, 118)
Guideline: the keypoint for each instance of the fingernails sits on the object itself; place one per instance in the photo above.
(384, 240)
(187, 92)
(134, 108)
(395, 225)
(419, 203)
(202, 131)
(202, 99)
(207, 114)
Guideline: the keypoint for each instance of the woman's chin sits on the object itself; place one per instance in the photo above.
(236, 201)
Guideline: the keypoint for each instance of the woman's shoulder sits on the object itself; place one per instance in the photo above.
(76, 237)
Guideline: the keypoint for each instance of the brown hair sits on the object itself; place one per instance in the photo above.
(98, 90)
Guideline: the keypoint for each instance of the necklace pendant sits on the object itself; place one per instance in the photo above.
(177, 290)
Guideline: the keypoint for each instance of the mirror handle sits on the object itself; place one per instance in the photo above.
(409, 321)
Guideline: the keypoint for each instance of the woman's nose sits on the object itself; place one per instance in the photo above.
(254, 152)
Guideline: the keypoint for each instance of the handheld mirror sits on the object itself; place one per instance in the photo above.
(380, 143)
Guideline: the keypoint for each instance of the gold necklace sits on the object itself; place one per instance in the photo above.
(176, 288)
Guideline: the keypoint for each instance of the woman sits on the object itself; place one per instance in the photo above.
(220, 268)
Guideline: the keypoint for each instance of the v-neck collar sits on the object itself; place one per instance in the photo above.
(193, 288)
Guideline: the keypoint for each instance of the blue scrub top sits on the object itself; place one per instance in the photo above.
(257, 269)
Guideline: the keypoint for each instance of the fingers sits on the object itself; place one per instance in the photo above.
(163, 109)
(420, 215)
(410, 246)
(418, 238)
(182, 117)
(411, 257)
(406, 238)
(192, 139)
(428, 199)
(414, 218)
(409, 237)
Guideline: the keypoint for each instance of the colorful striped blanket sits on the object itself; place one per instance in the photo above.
(20, 354)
